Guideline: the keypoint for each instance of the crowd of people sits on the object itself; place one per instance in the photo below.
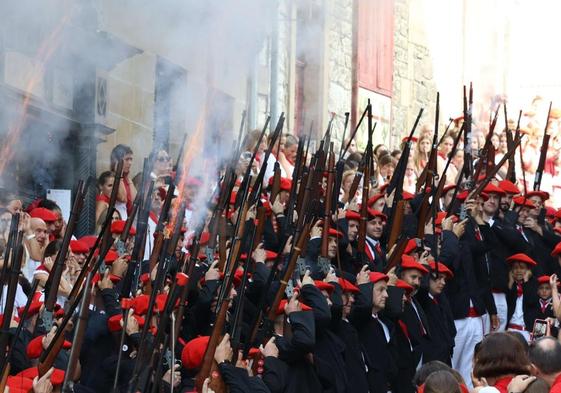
(472, 305)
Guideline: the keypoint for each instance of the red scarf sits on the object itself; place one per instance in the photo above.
(102, 198)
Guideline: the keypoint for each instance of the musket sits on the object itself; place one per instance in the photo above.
(240, 132)
(276, 178)
(224, 300)
(483, 161)
(354, 131)
(445, 134)
(51, 287)
(4, 360)
(296, 177)
(252, 159)
(430, 169)
(126, 304)
(543, 153)
(13, 272)
(323, 261)
(402, 163)
(360, 174)
(468, 154)
(113, 197)
(9, 251)
(511, 171)
(178, 166)
(137, 254)
(344, 134)
(365, 188)
(395, 257)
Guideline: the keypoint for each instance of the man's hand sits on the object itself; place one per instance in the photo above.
(520, 383)
(392, 276)
(331, 276)
(48, 338)
(307, 279)
(293, 305)
(553, 284)
(363, 276)
(105, 282)
(532, 223)
(287, 246)
(119, 266)
(494, 322)
(212, 273)
(460, 228)
(277, 207)
(176, 376)
(448, 224)
(270, 348)
(43, 384)
(259, 255)
(132, 324)
(223, 350)
(316, 230)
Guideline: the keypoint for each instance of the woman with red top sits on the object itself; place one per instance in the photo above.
(104, 185)
(499, 358)
(421, 153)
(127, 190)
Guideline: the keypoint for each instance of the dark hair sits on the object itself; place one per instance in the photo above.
(103, 177)
(52, 248)
(386, 159)
(49, 204)
(118, 153)
(538, 386)
(442, 382)
(500, 354)
(545, 354)
(395, 152)
(520, 338)
(380, 149)
(427, 369)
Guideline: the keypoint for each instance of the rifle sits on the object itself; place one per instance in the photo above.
(8, 252)
(224, 299)
(543, 153)
(485, 155)
(360, 174)
(468, 153)
(51, 287)
(296, 175)
(113, 198)
(323, 261)
(354, 131)
(430, 169)
(365, 187)
(395, 257)
(4, 360)
(511, 171)
(13, 272)
(344, 134)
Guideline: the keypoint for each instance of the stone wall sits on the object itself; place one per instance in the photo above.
(339, 59)
(413, 83)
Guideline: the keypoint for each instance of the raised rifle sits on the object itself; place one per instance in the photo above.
(430, 169)
(543, 153)
(487, 156)
(324, 262)
(296, 179)
(342, 155)
(511, 171)
(51, 287)
(468, 152)
(360, 174)
(347, 114)
(365, 189)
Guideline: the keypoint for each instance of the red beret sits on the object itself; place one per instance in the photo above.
(271, 255)
(44, 214)
(113, 277)
(556, 250)
(558, 215)
(441, 269)
(407, 139)
(193, 352)
(57, 377)
(140, 304)
(550, 212)
(377, 276)
(403, 285)
(119, 226)
(374, 198)
(493, 189)
(375, 213)
(284, 302)
(114, 322)
(89, 240)
(440, 216)
(520, 257)
(407, 196)
(144, 278)
(79, 247)
(324, 286)
(348, 286)
(19, 384)
(523, 201)
(410, 246)
(352, 215)
(335, 232)
(408, 262)
(34, 307)
(35, 347)
(509, 187)
(448, 188)
(543, 280)
(461, 196)
(542, 194)
(205, 237)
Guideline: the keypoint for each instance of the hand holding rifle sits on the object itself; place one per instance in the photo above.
(223, 351)
(363, 276)
(259, 254)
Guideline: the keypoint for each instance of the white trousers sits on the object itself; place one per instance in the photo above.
(469, 331)
(502, 310)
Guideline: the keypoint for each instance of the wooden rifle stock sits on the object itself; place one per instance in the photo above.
(543, 153)
(289, 270)
(397, 223)
(327, 200)
(395, 257)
